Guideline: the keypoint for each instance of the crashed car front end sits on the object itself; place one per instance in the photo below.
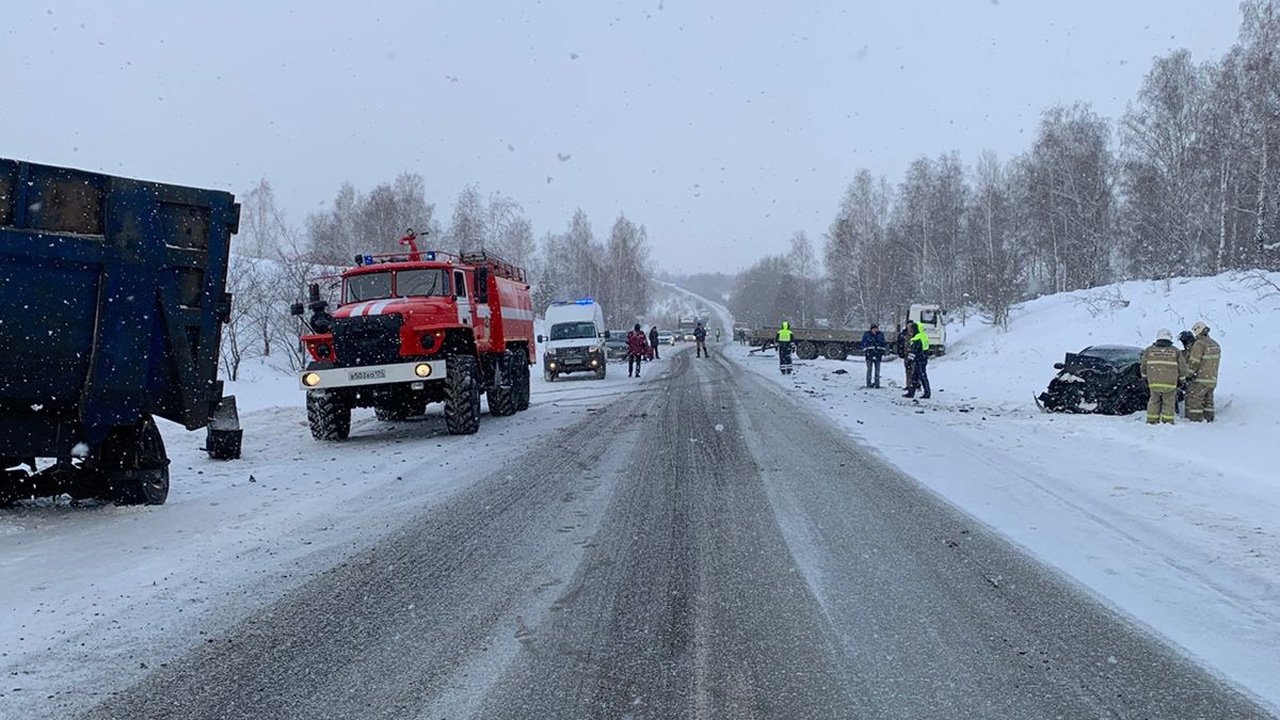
(1104, 379)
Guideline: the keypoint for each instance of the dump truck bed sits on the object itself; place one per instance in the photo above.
(112, 296)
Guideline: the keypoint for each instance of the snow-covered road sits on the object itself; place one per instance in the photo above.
(96, 597)
(696, 544)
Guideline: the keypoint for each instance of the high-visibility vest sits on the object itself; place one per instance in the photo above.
(784, 335)
(922, 337)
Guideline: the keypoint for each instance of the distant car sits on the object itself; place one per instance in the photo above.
(615, 346)
(665, 338)
(1103, 379)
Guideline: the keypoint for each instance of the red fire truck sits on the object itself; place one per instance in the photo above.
(418, 328)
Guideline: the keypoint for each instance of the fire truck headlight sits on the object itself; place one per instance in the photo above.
(422, 370)
(311, 379)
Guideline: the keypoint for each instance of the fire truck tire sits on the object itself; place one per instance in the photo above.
(462, 396)
(502, 400)
(523, 373)
(329, 418)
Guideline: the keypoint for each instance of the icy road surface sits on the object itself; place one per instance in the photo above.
(702, 547)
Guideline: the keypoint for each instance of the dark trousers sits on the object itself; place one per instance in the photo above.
(873, 360)
(784, 353)
(633, 364)
(920, 375)
(702, 348)
(655, 350)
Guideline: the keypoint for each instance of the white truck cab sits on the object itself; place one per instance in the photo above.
(934, 321)
(575, 339)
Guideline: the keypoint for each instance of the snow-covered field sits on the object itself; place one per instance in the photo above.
(1178, 527)
(94, 596)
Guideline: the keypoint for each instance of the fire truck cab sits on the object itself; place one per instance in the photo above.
(418, 328)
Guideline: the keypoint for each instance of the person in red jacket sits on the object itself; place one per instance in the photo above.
(637, 348)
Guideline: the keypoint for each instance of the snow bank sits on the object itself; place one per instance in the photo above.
(1175, 526)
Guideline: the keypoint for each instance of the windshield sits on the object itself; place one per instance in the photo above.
(573, 330)
(1117, 355)
(415, 283)
(366, 286)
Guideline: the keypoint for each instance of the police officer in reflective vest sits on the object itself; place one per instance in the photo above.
(919, 352)
(784, 344)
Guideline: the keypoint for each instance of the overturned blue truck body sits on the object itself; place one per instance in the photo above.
(112, 300)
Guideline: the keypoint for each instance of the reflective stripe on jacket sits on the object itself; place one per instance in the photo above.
(1162, 366)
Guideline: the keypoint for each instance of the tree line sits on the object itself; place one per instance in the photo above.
(273, 259)
(1186, 182)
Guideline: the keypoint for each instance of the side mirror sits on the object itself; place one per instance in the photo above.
(1059, 366)
(541, 339)
(482, 284)
(296, 309)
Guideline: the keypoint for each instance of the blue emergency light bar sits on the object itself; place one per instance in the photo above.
(584, 301)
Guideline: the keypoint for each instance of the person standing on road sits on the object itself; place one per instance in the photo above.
(1163, 368)
(919, 351)
(700, 336)
(873, 346)
(784, 344)
(902, 346)
(717, 334)
(637, 347)
(653, 340)
(1202, 366)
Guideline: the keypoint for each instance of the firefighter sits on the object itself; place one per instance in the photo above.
(784, 344)
(919, 351)
(653, 341)
(1202, 368)
(637, 348)
(1162, 367)
(1187, 338)
(901, 346)
(873, 345)
(700, 336)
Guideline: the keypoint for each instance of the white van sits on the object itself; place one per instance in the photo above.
(575, 339)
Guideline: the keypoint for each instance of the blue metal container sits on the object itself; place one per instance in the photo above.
(112, 299)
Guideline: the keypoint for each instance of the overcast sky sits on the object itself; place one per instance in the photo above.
(722, 126)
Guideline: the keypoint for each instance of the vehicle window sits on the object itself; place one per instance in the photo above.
(368, 286)
(412, 283)
(929, 317)
(573, 330)
(459, 284)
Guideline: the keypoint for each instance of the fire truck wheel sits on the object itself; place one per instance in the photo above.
(330, 418)
(502, 400)
(522, 372)
(462, 396)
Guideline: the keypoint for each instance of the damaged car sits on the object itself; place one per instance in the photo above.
(1103, 379)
